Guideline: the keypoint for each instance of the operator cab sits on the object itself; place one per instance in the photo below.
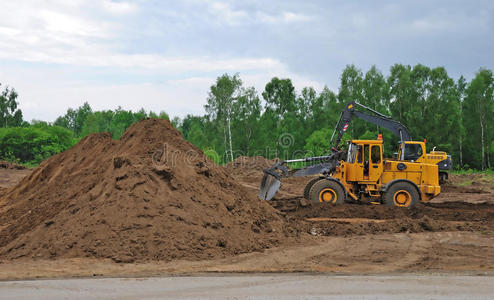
(364, 160)
(411, 151)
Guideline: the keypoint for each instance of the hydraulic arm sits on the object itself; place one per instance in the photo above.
(377, 118)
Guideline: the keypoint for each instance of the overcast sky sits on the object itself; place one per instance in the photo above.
(164, 55)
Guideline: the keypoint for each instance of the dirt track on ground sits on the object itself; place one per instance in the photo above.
(104, 202)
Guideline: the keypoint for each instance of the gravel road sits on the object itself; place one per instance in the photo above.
(272, 286)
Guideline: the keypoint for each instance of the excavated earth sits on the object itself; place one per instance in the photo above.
(158, 204)
(458, 208)
(149, 196)
(11, 174)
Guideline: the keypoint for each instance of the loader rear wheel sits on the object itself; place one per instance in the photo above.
(309, 186)
(326, 191)
(401, 194)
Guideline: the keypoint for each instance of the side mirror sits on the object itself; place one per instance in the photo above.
(395, 156)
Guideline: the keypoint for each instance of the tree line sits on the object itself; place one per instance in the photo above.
(455, 116)
(30, 143)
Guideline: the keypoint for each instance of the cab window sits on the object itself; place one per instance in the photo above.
(352, 151)
(413, 151)
(376, 154)
(360, 154)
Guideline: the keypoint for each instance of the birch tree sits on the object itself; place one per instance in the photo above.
(9, 114)
(479, 103)
(221, 99)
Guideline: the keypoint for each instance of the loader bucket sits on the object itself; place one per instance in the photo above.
(270, 183)
(269, 186)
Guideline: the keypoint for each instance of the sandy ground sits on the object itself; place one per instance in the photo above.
(9, 177)
(271, 286)
(444, 252)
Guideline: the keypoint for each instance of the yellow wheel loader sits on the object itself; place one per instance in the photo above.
(361, 173)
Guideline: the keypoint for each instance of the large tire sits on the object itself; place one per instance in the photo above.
(401, 194)
(309, 186)
(326, 191)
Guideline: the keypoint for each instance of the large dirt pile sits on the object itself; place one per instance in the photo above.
(148, 196)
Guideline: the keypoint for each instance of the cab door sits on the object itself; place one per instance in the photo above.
(375, 163)
(355, 169)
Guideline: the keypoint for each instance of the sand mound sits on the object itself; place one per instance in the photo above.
(148, 196)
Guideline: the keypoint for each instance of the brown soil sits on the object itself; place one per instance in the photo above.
(249, 166)
(452, 211)
(10, 177)
(10, 165)
(445, 252)
(327, 221)
(105, 201)
(248, 170)
(149, 196)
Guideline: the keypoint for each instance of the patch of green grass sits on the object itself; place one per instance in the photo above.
(466, 183)
(488, 172)
(488, 175)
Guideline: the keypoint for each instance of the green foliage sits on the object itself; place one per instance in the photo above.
(9, 114)
(213, 155)
(318, 142)
(222, 99)
(468, 170)
(83, 121)
(454, 116)
(75, 119)
(31, 145)
(368, 135)
(431, 104)
(478, 113)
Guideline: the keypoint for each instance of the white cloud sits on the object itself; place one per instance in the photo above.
(294, 17)
(99, 57)
(54, 22)
(54, 35)
(102, 51)
(61, 34)
(283, 17)
(223, 12)
(121, 8)
(451, 23)
(226, 14)
(425, 25)
(46, 94)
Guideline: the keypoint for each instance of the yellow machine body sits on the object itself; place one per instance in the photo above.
(434, 157)
(366, 174)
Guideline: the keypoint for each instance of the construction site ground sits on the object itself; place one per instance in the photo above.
(451, 251)
(452, 234)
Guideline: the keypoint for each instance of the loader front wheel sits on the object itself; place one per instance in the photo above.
(309, 186)
(326, 191)
(401, 194)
